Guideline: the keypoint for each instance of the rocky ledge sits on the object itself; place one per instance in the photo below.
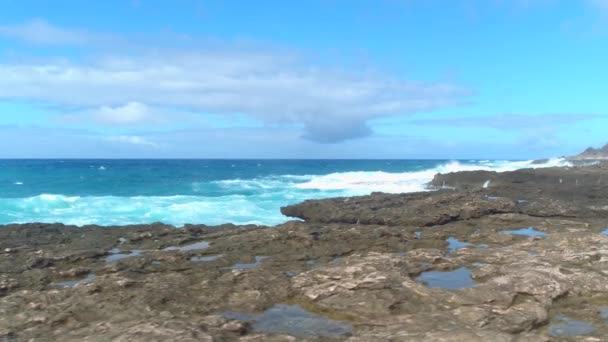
(518, 256)
(597, 154)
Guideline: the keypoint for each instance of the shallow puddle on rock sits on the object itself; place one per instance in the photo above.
(257, 263)
(565, 326)
(454, 244)
(418, 234)
(292, 320)
(192, 247)
(117, 255)
(206, 258)
(605, 232)
(456, 279)
(73, 283)
(603, 311)
(530, 231)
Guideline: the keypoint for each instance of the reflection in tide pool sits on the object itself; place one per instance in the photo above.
(292, 320)
(192, 247)
(73, 283)
(206, 258)
(565, 326)
(454, 244)
(257, 263)
(530, 231)
(117, 255)
(456, 279)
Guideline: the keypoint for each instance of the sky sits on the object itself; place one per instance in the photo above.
(419, 79)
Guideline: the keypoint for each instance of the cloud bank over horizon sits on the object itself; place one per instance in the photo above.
(332, 103)
(160, 81)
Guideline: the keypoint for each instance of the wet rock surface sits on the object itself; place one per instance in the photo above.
(447, 265)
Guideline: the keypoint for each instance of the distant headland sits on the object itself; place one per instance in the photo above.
(592, 154)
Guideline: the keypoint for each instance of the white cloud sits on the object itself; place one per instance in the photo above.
(40, 31)
(332, 103)
(131, 139)
(132, 113)
(128, 114)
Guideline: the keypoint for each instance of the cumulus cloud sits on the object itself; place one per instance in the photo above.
(130, 139)
(332, 103)
(130, 113)
(328, 132)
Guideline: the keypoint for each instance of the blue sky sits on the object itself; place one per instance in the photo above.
(511, 79)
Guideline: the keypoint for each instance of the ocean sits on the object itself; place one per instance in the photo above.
(176, 192)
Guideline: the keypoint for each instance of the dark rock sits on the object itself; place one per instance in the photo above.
(356, 261)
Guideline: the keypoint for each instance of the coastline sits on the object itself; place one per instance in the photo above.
(356, 264)
(108, 193)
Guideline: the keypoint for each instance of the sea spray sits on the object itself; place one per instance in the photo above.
(203, 191)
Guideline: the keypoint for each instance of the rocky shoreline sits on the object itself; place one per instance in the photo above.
(592, 154)
(514, 256)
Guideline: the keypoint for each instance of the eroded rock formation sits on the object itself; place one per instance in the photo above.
(524, 258)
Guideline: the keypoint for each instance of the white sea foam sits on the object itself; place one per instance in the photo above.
(18, 183)
(54, 198)
(265, 183)
(113, 210)
(239, 201)
(359, 183)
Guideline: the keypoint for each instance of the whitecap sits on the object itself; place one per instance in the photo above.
(55, 198)
(48, 197)
(365, 182)
(239, 201)
(362, 182)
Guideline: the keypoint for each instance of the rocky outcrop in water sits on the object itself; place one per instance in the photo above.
(519, 256)
(592, 154)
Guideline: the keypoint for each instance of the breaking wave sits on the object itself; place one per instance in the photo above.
(241, 201)
(360, 183)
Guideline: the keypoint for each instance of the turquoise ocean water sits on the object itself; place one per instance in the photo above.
(118, 192)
